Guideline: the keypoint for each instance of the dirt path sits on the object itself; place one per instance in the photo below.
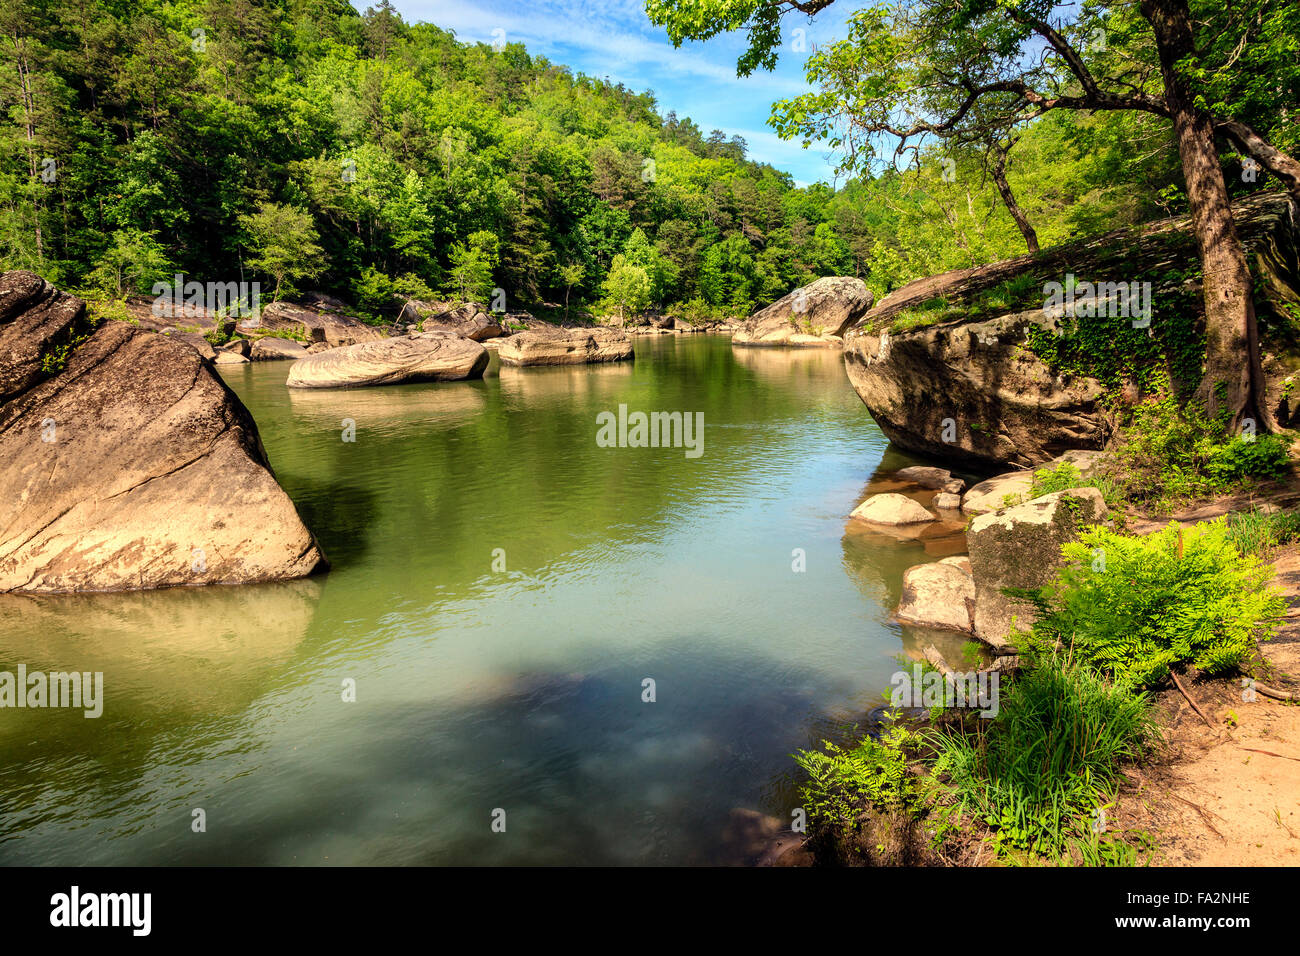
(1228, 795)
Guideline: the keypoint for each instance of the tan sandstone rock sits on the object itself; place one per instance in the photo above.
(1020, 547)
(566, 347)
(938, 595)
(132, 465)
(815, 315)
(426, 357)
(892, 509)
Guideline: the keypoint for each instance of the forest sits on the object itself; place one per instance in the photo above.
(306, 145)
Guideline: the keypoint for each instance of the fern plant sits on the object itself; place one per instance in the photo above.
(1139, 607)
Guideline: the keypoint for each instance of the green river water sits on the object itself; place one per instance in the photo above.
(477, 689)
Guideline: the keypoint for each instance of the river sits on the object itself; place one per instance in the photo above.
(502, 589)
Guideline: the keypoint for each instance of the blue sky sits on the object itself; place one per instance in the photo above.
(613, 38)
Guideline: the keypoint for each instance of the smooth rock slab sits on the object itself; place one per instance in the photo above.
(892, 509)
(427, 357)
(938, 595)
(135, 467)
(272, 348)
(566, 347)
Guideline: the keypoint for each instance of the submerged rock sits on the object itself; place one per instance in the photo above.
(426, 357)
(938, 595)
(1020, 547)
(128, 463)
(814, 315)
(929, 477)
(566, 347)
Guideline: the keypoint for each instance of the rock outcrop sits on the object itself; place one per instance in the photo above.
(424, 357)
(272, 348)
(467, 319)
(565, 347)
(962, 382)
(1020, 547)
(319, 318)
(128, 463)
(815, 315)
(940, 595)
(1013, 488)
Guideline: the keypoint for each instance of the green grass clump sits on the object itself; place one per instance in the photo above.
(1261, 533)
(1049, 759)
(1066, 475)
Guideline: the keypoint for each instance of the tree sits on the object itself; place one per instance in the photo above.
(284, 245)
(130, 264)
(910, 73)
(570, 274)
(627, 286)
(472, 264)
(661, 272)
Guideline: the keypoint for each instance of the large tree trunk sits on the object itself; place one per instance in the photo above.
(1234, 379)
(999, 169)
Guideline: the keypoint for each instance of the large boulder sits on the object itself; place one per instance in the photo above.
(319, 318)
(814, 315)
(565, 347)
(940, 595)
(272, 348)
(1020, 547)
(426, 357)
(194, 340)
(466, 319)
(128, 463)
(986, 367)
(892, 509)
(971, 393)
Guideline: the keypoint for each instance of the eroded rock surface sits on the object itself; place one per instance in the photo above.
(815, 315)
(565, 347)
(127, 462)
(1020, 547)
(425, 357)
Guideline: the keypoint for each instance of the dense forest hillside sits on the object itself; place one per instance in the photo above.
(306, 145)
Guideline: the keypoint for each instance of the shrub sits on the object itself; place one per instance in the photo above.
(1050, 757)
(1137, 607)
(1169, 453)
